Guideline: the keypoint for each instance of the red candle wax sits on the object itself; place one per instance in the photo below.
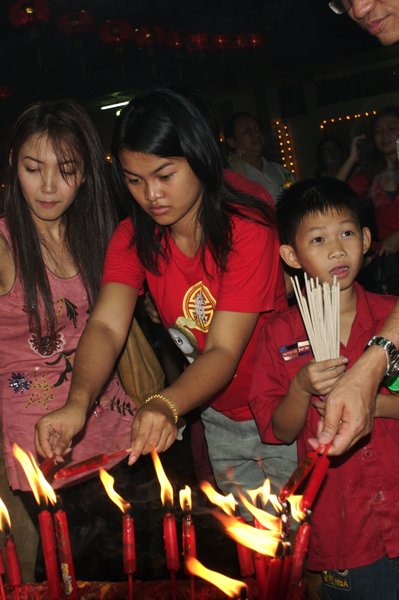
(129, 549)
(170, 541)
(47, 537)
(65, 555)
(13, 570)
(298, 554)
(273, 579)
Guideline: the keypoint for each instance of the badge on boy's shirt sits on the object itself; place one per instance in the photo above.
(296, 350)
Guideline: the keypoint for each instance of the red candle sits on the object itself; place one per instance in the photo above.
(285, 576)
(244, 558)
(47, 537)
(315, 481)
(129, 548)
(274, 572)
(188, 536)
(13, 570)
(170, 541)
(298, 554)
(65, 553)
(260, 566)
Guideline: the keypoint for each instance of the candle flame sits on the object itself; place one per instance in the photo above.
(262, 541)
(226, 503)
(231, 587)
(40, 486)
(263, 493)
(296, 510)
(166, 486)
(263, 517)
(4, 516)
(108, 483)
(185, 498)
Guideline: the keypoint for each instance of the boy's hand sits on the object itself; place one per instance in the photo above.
(317, 378)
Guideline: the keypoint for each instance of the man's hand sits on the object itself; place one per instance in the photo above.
(350, 405)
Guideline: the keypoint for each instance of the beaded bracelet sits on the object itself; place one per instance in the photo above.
(170, 404)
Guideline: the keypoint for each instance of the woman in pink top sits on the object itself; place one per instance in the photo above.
(58, 218)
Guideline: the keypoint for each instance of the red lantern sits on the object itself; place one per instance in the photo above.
(221, 41)
(240, 41)
(24, 13)
(76, 23)
(116, 32)
(197, 42)
(256, 40)
(174, 40)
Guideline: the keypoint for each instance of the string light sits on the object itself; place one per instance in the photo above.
(367, 114)
(285, 145)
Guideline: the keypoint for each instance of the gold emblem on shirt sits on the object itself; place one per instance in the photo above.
(199, 306)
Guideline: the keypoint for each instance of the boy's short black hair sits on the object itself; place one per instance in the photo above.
(311, 196)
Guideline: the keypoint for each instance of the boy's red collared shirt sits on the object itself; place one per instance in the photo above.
(355, 516)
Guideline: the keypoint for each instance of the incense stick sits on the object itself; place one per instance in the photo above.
(320, 315)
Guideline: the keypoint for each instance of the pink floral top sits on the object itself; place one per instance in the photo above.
(35, 374)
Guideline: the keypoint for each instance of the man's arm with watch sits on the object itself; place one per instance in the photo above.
(351, 402)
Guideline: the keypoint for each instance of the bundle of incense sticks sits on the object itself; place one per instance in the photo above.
(320, 314)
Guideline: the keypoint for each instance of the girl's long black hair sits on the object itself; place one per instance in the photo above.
(165, 123)
(89, 221)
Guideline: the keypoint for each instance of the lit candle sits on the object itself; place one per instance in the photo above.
(43, 493)
(188, 532)
(129, 549)
(274, 572)
(169, 522)
(188, 528)
(13, 570)
(65, 552)
(47, 536)
(244, 557)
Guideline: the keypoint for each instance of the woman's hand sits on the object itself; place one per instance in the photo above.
(54, 432)
(153, 429)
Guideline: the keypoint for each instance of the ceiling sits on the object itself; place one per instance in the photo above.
(37, 61)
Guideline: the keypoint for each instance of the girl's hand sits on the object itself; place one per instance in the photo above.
(54, 432)
(153, 429)
(317, 378)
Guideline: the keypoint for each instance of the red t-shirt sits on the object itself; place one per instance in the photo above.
(187, 295)
(386, 206)
(355, 515)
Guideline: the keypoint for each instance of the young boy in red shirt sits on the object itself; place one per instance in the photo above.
(355, 537)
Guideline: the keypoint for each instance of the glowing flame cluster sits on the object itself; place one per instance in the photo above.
(40, 486)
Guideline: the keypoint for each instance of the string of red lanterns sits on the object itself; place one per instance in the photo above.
(116, 32)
